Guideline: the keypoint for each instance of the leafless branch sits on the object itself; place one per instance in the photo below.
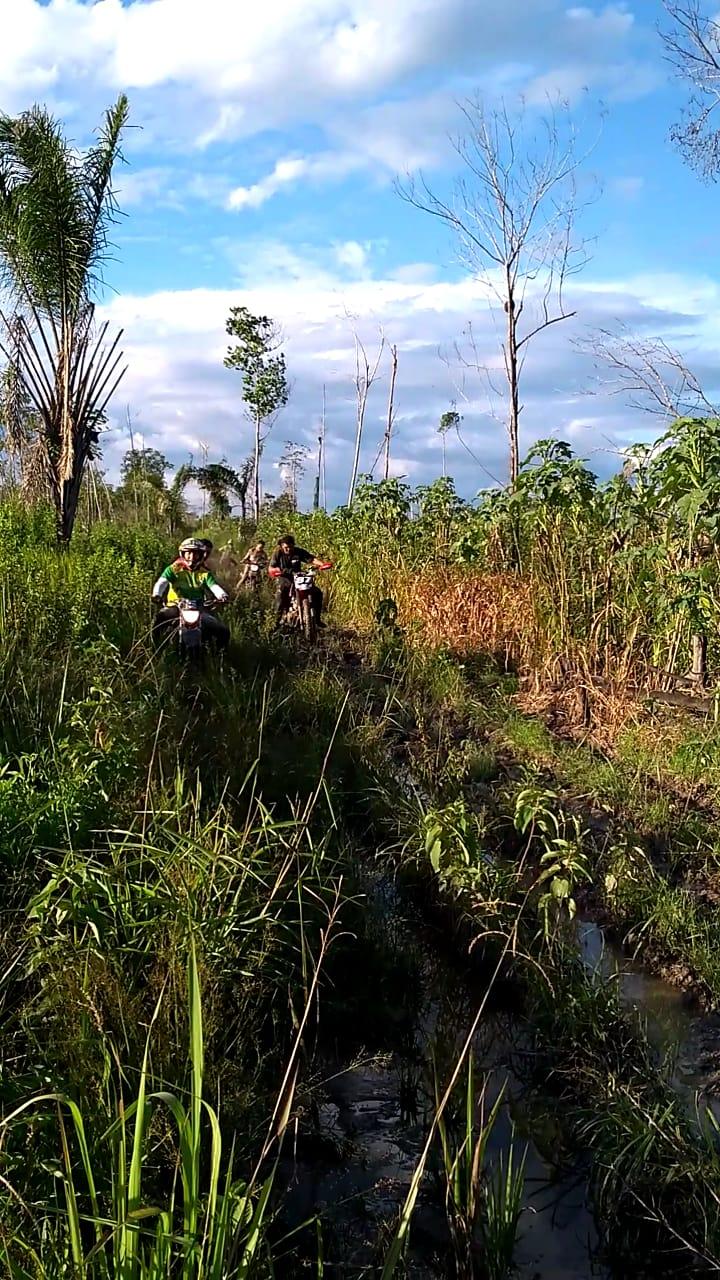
(692, 47)
(647, 373)
(513, 213)
(390, 422)
(365, 375)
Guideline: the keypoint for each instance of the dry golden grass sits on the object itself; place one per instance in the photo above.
(495, 614)
(582, 709)
(492, 612)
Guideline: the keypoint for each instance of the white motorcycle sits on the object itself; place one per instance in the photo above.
(253, 577)
(300, 613)
(190, 642)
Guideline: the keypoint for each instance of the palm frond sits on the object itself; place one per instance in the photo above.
(41, 217)
(56, 208)
(101, 205)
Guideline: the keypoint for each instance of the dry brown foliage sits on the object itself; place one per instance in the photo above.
(495, 614)
(492, 612)
(581, 708)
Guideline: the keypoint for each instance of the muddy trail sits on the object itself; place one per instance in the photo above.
(680, 1031)
(355, 1167)
(376, 1069)
(681, 850)
(369, 1138)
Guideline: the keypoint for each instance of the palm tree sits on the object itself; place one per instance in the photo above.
(219, 480)
(56, 209)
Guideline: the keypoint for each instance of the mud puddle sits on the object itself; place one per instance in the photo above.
(373, 1120)
(673, 1024)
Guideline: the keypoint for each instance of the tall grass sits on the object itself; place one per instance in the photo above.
(561, 573)
(483, 1204)
(149, 823)
(147, 819)
(208, 1225)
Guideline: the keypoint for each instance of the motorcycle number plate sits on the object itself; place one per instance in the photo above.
(303, 581)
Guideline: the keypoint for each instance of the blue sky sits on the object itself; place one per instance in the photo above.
(260, 171)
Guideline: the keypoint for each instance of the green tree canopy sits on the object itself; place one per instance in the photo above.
(256, 356)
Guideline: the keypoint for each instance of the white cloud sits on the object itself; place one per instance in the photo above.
(286, 172)
(176, 341)
(354, 256)
(220, 70)
(153, 184)
(628, 188)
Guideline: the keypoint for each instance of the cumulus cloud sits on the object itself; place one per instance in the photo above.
(176, 342)
(285, 173)
(222, 71)
(354, 256)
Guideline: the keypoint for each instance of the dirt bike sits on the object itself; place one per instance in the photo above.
(189, 635)
(253, 578)
(300, 611)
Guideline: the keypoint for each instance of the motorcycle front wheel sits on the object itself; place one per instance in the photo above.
(191, 653)
(307, 620)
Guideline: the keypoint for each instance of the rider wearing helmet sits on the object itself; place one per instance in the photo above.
(287, 559)
(188, 578)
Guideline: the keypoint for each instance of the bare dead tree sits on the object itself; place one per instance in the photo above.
(692, 47)
(390, 423)
(513, 211)
(292, 465)
(647, 373)
(365, 375)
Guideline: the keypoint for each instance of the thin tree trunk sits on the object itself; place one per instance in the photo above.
(358, 442)
(513, 376)
(321, 444)
(256, 475)
(698, 674)
(363, 383)
(390, 413)
(316, 489)
(69, 495)
(323, 484)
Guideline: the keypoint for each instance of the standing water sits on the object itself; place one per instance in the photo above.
(374, 1117)
(673, 1025)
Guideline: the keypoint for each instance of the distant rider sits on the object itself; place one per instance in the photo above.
(188, 578)
(256, 555)
(286, 560)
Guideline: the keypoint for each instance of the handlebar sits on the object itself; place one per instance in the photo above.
(207, 606)
(274, 572)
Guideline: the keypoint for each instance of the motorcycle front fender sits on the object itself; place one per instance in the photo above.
(191, 637)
